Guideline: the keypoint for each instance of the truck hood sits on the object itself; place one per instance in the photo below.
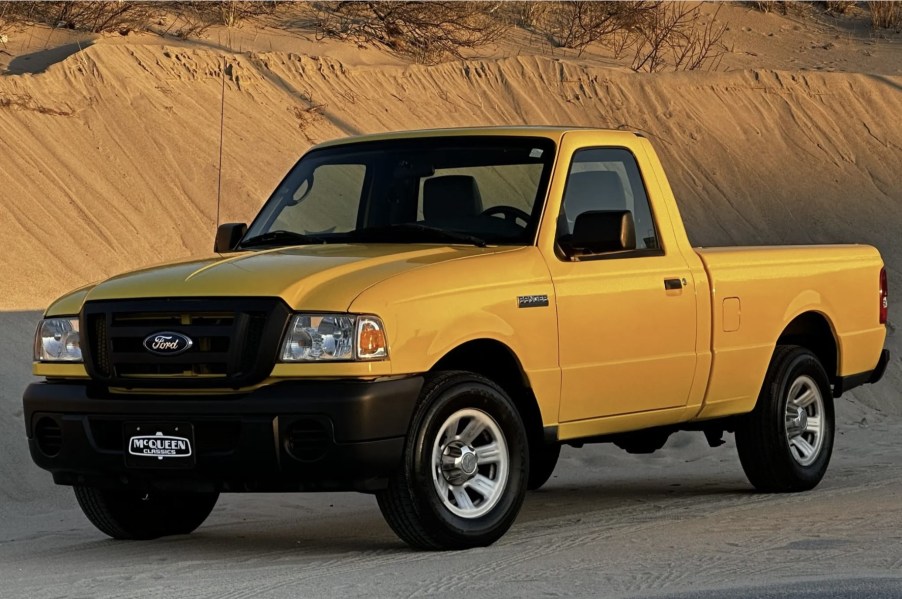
(320, 277)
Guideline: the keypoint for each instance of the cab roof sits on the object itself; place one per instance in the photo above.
(554, 133)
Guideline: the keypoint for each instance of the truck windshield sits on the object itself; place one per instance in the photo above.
(469, 190)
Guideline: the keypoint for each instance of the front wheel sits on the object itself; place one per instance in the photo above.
(785, 443)
(140, 515)
(465, 466)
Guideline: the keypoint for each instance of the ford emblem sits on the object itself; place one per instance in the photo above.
(167, 343)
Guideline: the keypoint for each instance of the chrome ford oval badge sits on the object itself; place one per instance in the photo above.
(167, 343)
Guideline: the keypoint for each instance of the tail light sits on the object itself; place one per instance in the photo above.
(884, 292)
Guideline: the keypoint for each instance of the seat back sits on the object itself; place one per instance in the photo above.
(589, 191)
(450, 197)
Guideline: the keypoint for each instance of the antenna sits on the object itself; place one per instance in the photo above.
(221, 130)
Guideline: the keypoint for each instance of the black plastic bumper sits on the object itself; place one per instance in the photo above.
(290, 436)
(846, 383)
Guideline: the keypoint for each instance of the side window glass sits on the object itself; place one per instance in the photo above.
(327, 202)
(607, 179)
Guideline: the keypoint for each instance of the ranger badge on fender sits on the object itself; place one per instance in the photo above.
(532, 301)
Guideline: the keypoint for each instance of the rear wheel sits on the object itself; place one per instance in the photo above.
(139, 515)
(464, 470)
(785, 444)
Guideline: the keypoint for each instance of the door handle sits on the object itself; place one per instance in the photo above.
(673, 284)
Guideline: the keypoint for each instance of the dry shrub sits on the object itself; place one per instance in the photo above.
(839, 7)
(526, 13)
(576, 24)
(189, 18)
(192, 19)
(232, 12)
(674, 37)
(886, 14)
(659, 35)
(95, 17)
(185, 22)
(784, 7)
(425, 31)
(765, 5)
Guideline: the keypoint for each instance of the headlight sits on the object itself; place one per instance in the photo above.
(330, 337)
(57, 340)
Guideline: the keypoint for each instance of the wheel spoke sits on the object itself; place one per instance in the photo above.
(473, 429)
(804, 447)
(814, 424)
(805, 399)
(482, 485)
(450, 432)
(442, 486)
(488, 454)
(463, 500)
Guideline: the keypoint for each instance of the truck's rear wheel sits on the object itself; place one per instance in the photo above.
(786, 442)
(139, 515)
(464, 469)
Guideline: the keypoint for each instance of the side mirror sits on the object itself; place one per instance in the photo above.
(227, 237)
(599, 231)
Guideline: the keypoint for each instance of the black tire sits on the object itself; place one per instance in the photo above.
(141, 516)
(771, 461)
(414, 506)
(542, 461)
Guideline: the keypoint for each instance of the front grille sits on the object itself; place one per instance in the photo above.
(99, 347)
(234, 341)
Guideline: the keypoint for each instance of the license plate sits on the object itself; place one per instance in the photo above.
(159, 445)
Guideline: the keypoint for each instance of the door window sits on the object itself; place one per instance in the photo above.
(607, 179)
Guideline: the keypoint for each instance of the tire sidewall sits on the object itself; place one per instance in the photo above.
(462, 394)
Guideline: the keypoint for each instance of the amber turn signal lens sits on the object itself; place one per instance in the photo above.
(370, 339)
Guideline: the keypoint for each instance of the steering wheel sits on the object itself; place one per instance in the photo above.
(509, 213)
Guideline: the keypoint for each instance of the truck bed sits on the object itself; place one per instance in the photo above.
(753, 290)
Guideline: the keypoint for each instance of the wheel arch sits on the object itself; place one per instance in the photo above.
(814, 331)
(497, 362)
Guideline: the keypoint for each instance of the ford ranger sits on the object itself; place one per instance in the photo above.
(428, 316)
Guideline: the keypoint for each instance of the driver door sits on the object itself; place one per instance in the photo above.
(627, 318)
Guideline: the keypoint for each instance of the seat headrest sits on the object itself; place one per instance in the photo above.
(604, 231)
(593, 190)
(451, 196)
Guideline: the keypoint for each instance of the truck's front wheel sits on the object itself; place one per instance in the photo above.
(465, 466)
(786, 442)
(139, 515)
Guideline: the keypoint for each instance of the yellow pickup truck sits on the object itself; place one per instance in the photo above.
(428, 316)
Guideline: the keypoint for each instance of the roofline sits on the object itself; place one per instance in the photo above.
(551, 132)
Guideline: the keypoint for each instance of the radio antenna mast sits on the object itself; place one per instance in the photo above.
(221, 130)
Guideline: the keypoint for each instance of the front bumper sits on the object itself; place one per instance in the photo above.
(289, 436)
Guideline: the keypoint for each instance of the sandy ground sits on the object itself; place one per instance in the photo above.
(108, 153)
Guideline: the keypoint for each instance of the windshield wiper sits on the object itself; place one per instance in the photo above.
(415, 232)
(281, 237)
